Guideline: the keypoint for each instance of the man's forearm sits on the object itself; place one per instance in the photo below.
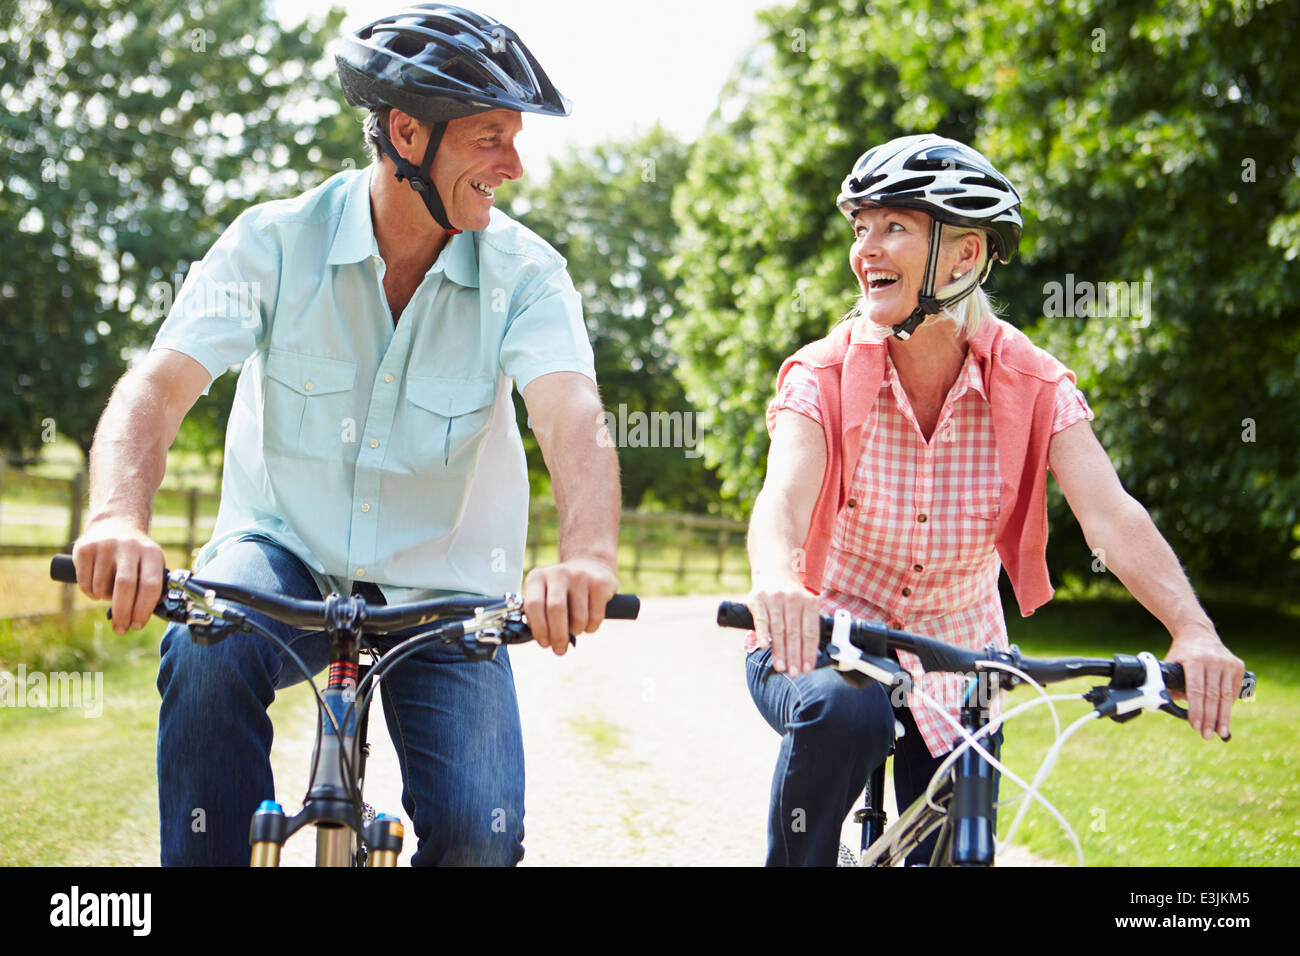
(588, 498)
(129, 456)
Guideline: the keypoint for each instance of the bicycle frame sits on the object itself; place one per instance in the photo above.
(965, 822)
(328, 804)
(346, 835)
(1137, 684)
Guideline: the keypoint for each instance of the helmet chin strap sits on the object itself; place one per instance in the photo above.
(927, 304)
(419, 178)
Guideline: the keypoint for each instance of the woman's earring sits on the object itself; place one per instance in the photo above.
(956, 274)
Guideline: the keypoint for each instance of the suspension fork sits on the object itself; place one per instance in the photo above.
(328, 796)
(974, 785)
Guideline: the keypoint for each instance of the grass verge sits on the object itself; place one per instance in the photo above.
(1149, 792)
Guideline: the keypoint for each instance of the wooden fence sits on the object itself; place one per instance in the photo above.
(660, 551)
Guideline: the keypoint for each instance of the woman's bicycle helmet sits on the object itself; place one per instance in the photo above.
(950, 181)
(439, 63)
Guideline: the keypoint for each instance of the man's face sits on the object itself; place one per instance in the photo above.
(476, 155)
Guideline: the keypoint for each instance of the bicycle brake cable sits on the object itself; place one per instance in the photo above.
(970, 742)
(242, 621)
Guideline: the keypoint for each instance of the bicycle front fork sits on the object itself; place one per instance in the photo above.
(974, 790)
(270, 829)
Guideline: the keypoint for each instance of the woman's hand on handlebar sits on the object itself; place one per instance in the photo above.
(786, 618)
(1211, 677)
(119, 563)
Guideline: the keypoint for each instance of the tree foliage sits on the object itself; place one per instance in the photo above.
(131, 134)
(608, 211)
(1152, 142)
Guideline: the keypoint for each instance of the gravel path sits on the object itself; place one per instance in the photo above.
(642, 748)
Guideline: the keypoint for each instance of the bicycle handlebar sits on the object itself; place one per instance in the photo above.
(875, 639)
(379, 619)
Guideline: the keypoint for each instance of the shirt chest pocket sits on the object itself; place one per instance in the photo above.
(860, 525)
(308, 404)
(983, 504)
(444, 420)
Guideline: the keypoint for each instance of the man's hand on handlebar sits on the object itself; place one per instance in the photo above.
(786, 619)
(117, 562)
(567, 598)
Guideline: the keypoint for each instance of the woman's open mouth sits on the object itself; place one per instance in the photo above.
(881, 280)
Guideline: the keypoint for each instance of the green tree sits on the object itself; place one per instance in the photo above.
(1159, 147)
(608, 211)
(1153, 142)
(763, 254)
(132, 133)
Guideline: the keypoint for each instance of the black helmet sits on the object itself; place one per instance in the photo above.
(437, 63)
(950, 181)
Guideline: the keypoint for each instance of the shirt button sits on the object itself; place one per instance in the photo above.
(921, 518)
(907, 592)
(853, 502)
(308, 386)
(388, 378)
(374, 443)
(361, 572)
(917, 568)
(365, 507)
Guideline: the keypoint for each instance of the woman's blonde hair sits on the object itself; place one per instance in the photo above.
(968, 314)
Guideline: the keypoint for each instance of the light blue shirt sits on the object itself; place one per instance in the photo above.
(373, 451)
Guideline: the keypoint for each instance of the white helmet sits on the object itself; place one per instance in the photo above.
(951, 182)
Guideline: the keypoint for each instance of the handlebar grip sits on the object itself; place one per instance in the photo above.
(1174, 680)
(623, 607)
(62, 569)
(733, 614)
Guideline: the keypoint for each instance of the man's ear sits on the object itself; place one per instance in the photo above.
(404, 130)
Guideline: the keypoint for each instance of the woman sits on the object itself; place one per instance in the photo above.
(908, 465)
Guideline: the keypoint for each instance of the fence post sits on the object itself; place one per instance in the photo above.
(686, 544)
(637, 542)
(532, 537)
(722, 552)
(191, 526)
(76, 488)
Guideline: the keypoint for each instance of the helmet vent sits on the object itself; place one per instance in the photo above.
(988, 182)
(909, 185)
(972, 202)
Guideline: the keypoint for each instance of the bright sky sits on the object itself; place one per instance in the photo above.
(625, 64)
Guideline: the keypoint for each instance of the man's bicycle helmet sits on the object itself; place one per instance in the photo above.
(438, 63)
(954, 184)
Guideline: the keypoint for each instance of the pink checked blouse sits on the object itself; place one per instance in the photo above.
(913, 546)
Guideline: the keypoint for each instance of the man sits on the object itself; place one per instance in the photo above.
(372, 444)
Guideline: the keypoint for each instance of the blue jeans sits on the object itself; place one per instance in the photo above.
(833, 736)
(454, 724)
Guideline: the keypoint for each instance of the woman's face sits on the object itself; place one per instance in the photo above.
(888, 256)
